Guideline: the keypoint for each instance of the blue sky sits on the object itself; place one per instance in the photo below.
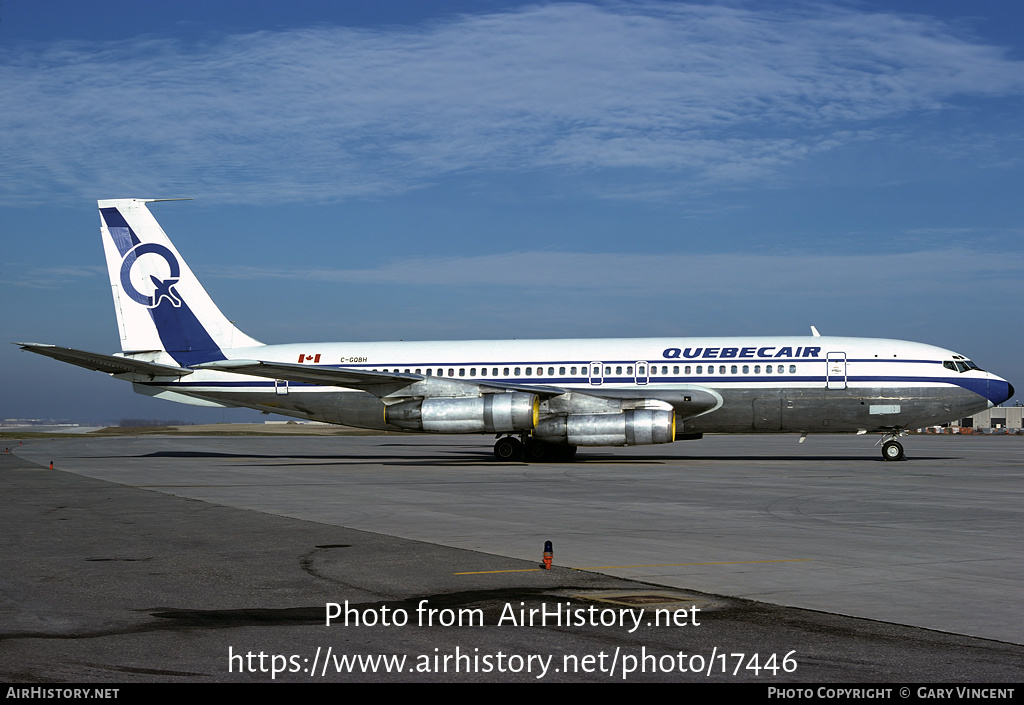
(447, 170)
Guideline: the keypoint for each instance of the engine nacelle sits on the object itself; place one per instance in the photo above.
(491, 413)
(636, 427)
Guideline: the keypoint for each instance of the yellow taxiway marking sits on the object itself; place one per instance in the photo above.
(649, 565)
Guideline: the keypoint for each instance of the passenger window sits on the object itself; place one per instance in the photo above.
(721, 369)
(675, 370)
(768, 369)
(451, 372)
(529, 371)
(733, 369)
(792, 369)
(561, 370)
(757, 369)
(746, 369)
(517, 372)
(700, 369)
(540, 371)
(618, 369)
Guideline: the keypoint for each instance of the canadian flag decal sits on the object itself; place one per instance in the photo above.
(309, 358)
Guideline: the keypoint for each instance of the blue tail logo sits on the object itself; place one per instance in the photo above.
(162, 288)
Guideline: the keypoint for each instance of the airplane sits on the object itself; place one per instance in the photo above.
(542, 399)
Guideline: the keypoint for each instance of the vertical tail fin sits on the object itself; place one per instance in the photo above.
(159, 302)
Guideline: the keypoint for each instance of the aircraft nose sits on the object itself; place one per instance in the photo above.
(999, 390)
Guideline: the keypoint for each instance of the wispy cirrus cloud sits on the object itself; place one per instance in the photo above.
(52, 277)
(913, 275)
(692, 93)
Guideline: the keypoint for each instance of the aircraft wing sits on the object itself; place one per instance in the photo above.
(690, 401)
(111, 364)
(351, 378)
(380, 384)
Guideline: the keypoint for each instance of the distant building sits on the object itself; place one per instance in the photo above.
(1001, 418)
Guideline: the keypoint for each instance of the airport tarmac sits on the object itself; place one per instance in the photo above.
(826, 525)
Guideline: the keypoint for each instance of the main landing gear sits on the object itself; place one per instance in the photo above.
(512, 449)
(892, 449)
(508, 448)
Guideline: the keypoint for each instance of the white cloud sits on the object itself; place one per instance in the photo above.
(703, 93)
(906, 276)
(52, 277)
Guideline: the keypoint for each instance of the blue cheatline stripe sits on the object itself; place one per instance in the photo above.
(651, 363)
(979, 387)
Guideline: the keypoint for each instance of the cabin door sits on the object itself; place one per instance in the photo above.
(835, 366)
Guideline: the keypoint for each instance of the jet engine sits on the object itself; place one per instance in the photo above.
(491, 413)
(636, 427)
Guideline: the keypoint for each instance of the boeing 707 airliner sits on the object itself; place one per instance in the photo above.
(541, 398)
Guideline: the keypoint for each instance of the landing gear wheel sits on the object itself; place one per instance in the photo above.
(508, 449)
(892, 450)
(538, 451)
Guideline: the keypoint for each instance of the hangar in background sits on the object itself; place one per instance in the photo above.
(998, 419)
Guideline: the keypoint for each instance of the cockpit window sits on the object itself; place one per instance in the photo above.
(961, 364)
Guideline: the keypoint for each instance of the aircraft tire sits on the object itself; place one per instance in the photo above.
(508, 449)
(537, 451)
(893, 450)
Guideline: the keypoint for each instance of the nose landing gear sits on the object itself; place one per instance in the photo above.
(892, 449)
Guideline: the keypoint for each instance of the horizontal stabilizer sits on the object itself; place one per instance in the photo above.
(111, 364)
